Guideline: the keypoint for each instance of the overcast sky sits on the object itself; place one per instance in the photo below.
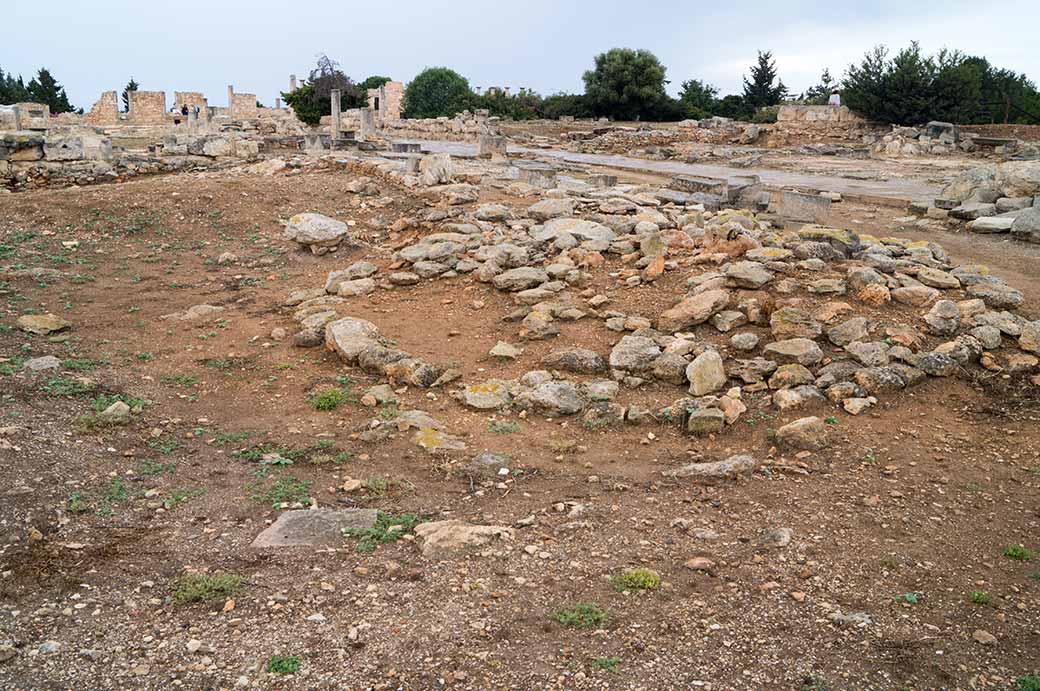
(204, 45)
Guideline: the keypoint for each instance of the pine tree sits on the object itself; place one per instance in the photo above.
(12, 90)
(760, 91)
(44, 88)
(820, 94)
(130, 86)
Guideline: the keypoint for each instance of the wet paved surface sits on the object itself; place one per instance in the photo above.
(895, 188)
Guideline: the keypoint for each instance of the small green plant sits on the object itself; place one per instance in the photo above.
(150, 468)
(205, 587)
(78, 365)
(387, 528)
(116, 491)
(164, 445)
(179, 379)
(608, 664)
(831, 420)
(102, 402)
(328, 399)
(9, 366)
(814, 683)
(283, 664)
(1030, 682)
(1018, 552)
(636, 579)
(77, 503)
(179, 496)
(582, 615)
(227, 437)
(62, 386)
(503, 427)
(980, 597)
(283, 490)
(908, 598)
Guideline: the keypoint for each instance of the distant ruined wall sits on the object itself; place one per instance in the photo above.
(243, 107)
(147, 107)
(828, 115)
(386, 100)
(190, 99)
(105, 111)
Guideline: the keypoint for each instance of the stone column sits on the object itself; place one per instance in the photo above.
(292, 82)
(368, 123)
(277, 104)
(335, 115)
(230, 98)
(193, 120)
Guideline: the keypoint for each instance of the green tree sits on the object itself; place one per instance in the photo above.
(956, 88)
(625, 84)
(44, 88)
(820, 95)
(559, 105)
(131, 85)
(12, 90)
(437, 92)
(313, 98)
(732, 106)
(908, 89)
(865, 87)
(700, 98)
(373, 82)
(524, 105)
(764, 88)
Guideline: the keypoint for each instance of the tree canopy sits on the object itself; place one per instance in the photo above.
(625, 84)
(437, 92)
(911, 88)
(12, 90)
(131, 85)
(313, 98)
(373, 82)
(699, 98)
(43, 88)
(764, 88)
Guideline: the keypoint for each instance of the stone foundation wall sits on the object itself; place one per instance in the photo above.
(84, 155)
(817, 114)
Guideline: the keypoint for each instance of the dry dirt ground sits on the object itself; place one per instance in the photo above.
(905, 518)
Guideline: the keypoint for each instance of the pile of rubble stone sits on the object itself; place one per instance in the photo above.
(1003, 198)
(766, 319)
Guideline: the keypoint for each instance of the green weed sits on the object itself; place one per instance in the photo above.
(204, 587)
(582, 615)
(387, 528)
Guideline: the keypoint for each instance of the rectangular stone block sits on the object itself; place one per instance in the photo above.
(602, 180)
(697, 183)
(542, 177)
(490, 146)
(807, 208)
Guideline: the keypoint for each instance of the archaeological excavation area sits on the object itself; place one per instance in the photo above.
(471, 403)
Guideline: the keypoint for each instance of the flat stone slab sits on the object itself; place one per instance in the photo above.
(314, 527)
